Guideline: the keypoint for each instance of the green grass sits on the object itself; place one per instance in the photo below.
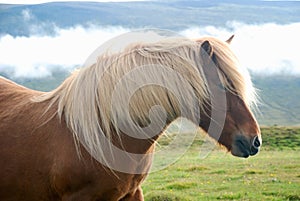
(274, 174)
(281, 138)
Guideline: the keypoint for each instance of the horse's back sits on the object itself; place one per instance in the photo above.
(12, 94)
(15, 105)
(20, 146)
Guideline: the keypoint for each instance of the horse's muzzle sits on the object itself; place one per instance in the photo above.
(245, 147)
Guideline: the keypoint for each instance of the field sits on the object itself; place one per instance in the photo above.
(274, 174)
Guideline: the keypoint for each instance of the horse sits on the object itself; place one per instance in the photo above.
(93, 137)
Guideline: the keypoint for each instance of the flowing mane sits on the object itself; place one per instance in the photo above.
(93, 100)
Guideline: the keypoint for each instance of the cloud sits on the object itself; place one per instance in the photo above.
(37, 56)
(268, 48)
(26, 14)
(262, 48)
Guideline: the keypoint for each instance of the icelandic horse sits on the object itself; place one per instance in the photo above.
(64, 144)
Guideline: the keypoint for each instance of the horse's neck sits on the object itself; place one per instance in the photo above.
(136, 145)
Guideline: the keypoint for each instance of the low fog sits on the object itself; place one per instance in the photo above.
(262, 48)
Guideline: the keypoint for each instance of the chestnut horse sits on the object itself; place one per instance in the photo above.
(91, 139)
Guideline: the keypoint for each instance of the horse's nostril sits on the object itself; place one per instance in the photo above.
(256, 142)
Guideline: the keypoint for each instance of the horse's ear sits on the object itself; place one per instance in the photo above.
(206, 49)
(229, 39)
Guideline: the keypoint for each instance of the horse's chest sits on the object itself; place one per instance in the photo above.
(96, 183)
(123, 186)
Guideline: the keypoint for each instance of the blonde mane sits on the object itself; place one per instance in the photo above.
(108, 94)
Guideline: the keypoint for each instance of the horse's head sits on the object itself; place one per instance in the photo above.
(240, 132)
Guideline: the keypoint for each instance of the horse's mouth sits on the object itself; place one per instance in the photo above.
(242, 147)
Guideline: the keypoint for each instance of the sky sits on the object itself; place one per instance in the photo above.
(45, 1)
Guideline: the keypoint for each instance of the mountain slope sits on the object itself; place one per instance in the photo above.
(42, 19)
(279, 96)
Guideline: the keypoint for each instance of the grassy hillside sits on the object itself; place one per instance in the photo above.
(274, 174)
(279, 99)
(279, 96)
(41, 84)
